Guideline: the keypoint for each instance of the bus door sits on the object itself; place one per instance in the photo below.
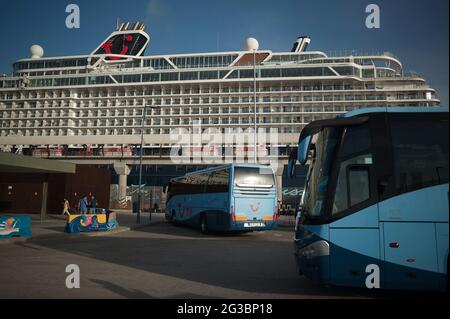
(354, 228)
(355, 235)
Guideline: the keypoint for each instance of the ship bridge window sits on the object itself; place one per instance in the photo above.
(37, 65)
(151, 77)
(270, 73)
(130, 78)
(209, 75)
(346, 70)
(172, 76)
(233, 75)
(368, 73)
(186, 76)
(158, 64)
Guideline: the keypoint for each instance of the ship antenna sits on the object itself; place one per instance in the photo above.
(117, 23)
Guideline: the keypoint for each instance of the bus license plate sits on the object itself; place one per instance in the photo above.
(254, 225)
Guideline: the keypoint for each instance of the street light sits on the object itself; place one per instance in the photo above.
(254, 104)
(138, 216)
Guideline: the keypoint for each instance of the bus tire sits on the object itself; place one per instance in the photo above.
(203, 224)
(173, 219)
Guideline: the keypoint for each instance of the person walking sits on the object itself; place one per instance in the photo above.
(66, 207)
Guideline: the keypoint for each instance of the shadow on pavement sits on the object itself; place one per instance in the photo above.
(254, 265)
(139, 294)
(124, 292)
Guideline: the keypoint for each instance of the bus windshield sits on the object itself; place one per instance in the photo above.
(253, 176)
(317, 187)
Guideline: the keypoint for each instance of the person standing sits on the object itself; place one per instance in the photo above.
(83, 205)
(66, 207)
(93, 205)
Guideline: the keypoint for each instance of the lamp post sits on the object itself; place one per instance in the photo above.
(138, 215)
(254, 105)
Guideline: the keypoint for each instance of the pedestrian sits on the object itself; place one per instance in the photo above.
(83, 205)
(66, 207)
(93, 205)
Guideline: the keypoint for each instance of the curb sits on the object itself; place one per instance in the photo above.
(118, 230)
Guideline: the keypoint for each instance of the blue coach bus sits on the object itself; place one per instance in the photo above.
(376, 194)
(235, 198)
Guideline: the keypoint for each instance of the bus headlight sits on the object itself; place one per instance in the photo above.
(316, 249)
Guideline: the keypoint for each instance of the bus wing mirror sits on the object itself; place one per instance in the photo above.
(303, 150)
(299, 211)
(291, 163)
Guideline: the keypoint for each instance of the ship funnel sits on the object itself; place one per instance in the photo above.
(120, 28)
(135, 26)
(301, 44)
(125, 28)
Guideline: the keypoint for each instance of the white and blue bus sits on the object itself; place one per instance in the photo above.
(376, 200)
(228, 198)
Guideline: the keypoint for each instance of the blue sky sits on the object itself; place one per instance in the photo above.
(414, 30)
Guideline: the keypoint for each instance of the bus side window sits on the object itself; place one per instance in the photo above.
(342, 197)
(358, 184)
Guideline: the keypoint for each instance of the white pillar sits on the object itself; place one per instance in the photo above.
(123, 171)
(44, 198)
(280, 187)
(122, 186)
(279, 176)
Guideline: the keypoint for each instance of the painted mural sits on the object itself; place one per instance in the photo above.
(91, 223)
(14, 226)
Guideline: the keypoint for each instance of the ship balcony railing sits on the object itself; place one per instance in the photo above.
(98, 155)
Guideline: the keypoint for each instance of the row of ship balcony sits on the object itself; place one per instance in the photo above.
(205, 113)
(280, 128)
(192, 114)
(166, 122)
(263, 151)
(263, 74)
(186, 103)
(197, 91)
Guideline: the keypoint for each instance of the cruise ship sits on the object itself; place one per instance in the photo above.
(89, 109)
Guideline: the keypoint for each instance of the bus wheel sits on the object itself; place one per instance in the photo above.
(203, 224)
(172, 218)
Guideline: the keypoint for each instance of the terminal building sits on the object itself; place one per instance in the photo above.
(91, 109)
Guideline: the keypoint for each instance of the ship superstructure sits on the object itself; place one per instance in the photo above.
(89, 108)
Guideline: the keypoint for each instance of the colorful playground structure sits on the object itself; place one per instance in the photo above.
(15, 226)
(91, 222)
